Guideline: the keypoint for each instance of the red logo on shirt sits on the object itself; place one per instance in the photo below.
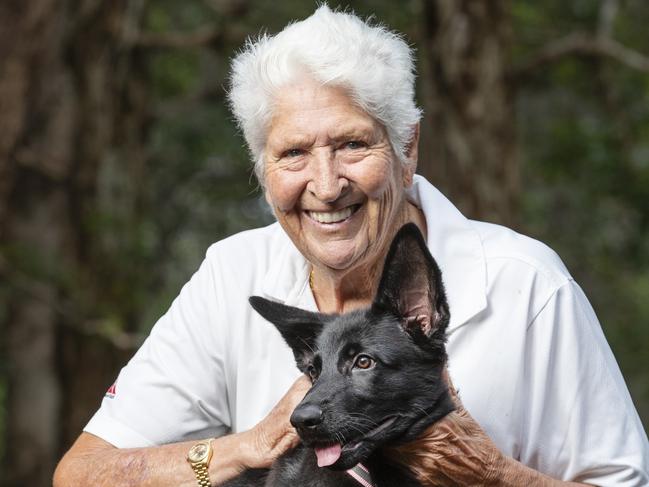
(112, 390)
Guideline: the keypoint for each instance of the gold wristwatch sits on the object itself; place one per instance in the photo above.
(199, 457)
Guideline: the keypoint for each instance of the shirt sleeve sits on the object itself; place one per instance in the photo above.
(174, 388)
(581, 424)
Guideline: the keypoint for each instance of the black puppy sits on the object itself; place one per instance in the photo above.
(376, 375)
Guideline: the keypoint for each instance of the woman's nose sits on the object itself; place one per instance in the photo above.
(327, 183)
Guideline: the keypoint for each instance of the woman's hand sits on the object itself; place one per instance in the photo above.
(453, 451)
(456, 451)
(274, 435)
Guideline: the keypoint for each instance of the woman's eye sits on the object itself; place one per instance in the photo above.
(355, 144)
(364, 362)
(293, 153)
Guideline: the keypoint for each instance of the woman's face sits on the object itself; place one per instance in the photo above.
(331, 176)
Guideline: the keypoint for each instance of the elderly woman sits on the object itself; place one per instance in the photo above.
(327, 109)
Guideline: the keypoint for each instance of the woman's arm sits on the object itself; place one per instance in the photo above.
(93, 461)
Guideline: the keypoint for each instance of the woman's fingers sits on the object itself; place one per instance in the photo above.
(274, 435)
(453, 451)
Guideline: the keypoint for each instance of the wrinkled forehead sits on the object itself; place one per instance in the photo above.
(297, 106)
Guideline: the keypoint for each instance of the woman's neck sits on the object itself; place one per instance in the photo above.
(339, 291)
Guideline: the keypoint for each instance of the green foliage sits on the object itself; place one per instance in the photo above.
(177, 73)
(584, 125)
(164, 16)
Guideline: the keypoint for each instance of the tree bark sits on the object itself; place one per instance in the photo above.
(35, 158)
(469, 146)
(65, 102)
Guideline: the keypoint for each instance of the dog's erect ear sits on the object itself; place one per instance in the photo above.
(298, 327)
(411, 285)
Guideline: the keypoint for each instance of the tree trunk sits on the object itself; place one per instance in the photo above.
(35, 143)
(63, 105)
(469, 146)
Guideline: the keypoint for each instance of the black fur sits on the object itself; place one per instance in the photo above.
(402, 337)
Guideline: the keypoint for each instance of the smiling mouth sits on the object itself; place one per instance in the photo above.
(333, 216)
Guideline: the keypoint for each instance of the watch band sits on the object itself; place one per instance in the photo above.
(199, 458)
(202, 475)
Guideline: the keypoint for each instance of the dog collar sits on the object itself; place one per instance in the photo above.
(361, 474)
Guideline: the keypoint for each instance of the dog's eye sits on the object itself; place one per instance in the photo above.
(364, 362)
(312, 373)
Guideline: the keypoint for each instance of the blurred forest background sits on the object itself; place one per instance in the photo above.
(120, 164)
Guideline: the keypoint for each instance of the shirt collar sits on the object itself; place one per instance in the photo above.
(457, 248)
(452, 240)
(287, 278)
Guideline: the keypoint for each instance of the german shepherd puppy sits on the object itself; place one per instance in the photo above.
(376, 373)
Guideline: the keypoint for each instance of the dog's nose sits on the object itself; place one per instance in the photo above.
(306, 416)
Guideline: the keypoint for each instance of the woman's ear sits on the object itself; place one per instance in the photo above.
(412, 155)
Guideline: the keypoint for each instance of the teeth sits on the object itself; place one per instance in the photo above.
(331, 216)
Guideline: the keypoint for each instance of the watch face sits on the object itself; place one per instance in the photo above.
(198, 452)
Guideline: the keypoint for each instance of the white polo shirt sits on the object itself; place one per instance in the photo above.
(526, 351)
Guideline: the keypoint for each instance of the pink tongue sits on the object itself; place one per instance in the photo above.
(328, 456)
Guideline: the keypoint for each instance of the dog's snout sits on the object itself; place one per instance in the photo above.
(306, 416)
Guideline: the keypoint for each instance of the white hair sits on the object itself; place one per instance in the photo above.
(372, 63)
